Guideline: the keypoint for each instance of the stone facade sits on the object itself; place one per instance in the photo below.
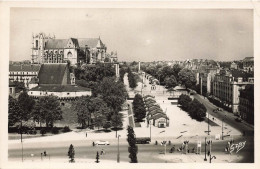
(226, 89)
(23, 73)
(248, 64)
(55, 79)
(47, 49)
(246, 104)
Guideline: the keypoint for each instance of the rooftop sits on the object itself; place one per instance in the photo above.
(60, 88)
(24, 68)
(52, 73)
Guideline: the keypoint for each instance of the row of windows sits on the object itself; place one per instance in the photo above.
(47, 93)
(23, 73)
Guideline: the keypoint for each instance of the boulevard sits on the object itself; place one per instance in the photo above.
(147, 153)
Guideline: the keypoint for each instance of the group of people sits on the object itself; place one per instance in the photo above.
(183, 146)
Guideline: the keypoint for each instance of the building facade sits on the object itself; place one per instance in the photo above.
(226, 87)
(248, 64)
(11, 88)
(246, 104)
(23, 73)
(48, 49)
(206, 81)
(55, 79)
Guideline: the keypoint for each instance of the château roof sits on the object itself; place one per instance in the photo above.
(90, 42)
(248, 59)
(159, 115)
(52, 73)
(56, 43)
(24, 68)
(82, 43)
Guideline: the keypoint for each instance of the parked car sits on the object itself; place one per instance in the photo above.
(238, 119)
(219, 109)
(101, 143)
(142, 140)
(215, 110)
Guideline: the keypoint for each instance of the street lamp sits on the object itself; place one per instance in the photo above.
(118, 155)
(208, 124)
(205, 159)
(222, 129)
(150, 132)
(22, 151)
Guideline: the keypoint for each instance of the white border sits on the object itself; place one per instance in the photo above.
(4, 55)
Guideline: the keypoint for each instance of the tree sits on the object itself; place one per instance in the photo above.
(100, 110)
(81, 106)
(132, 149)
(197, 110)
(117, 120)
(26, 104)
(131, 79)
(139, 108)
(97, 157)
(112, 92)
(15, 114)
(187, 78)
(19, 86)
(184, 101)
(107, 125)
(122, 72)
(50, 106)
(170, 83)
(38, 114)
(71, 154)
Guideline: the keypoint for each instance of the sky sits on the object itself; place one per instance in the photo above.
(141, 34)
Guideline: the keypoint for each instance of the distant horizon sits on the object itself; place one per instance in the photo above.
(153, 61)
(141, 34)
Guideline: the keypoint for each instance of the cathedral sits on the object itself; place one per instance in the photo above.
(48, 49)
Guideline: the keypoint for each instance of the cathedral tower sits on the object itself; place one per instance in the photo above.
(38, 44)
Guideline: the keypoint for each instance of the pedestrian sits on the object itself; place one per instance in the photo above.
(44, 153)
(93, 144)
(86, 134)
(188, 150)
(208, 153)
(213, 119)
(101, 153)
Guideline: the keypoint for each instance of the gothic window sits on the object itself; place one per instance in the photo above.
(36, 43)
(69, 54)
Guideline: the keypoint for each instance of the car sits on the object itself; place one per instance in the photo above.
(101, 142)
(238, 119)
(219, 109)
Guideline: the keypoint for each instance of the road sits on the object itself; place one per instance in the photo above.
(228, 117)
(147, 153)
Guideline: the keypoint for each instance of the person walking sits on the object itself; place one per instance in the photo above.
(86, 134)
